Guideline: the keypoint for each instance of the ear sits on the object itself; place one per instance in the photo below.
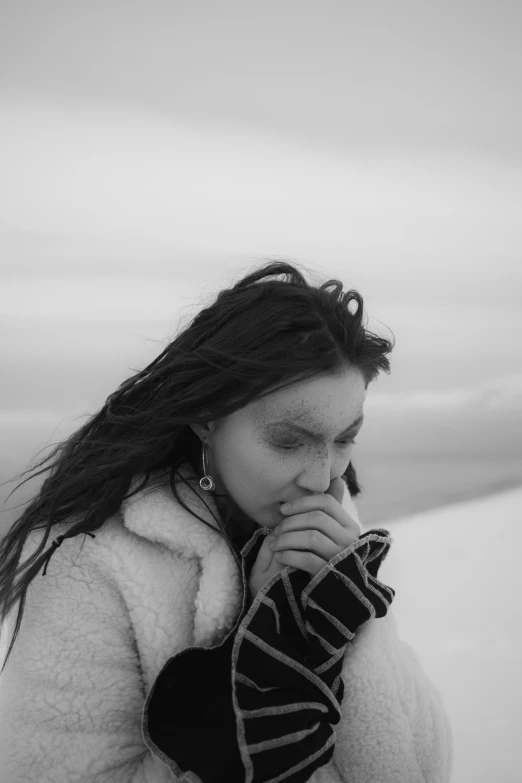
(203, 431)
(199, 430)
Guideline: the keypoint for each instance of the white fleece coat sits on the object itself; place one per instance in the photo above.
(110, 612)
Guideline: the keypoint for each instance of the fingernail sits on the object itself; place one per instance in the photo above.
(285, 506)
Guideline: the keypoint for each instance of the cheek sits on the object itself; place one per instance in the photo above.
(263, 471)
(244, 462)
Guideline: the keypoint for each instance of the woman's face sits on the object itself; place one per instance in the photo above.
(246, 451)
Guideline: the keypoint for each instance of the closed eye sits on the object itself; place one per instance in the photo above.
(288, 447)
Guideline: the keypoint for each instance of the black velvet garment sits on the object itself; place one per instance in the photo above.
(264, 703)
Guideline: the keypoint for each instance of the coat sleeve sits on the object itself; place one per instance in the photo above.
(288, 658)
(71, 694)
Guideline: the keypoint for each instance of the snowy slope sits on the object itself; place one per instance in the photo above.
(456, 571)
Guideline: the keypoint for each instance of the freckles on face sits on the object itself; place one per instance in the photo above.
(263, 465)
(257, 474)
(317, 419)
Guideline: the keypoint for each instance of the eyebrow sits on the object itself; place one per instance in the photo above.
(298, 427)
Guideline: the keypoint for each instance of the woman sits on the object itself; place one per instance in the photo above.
(202, 633)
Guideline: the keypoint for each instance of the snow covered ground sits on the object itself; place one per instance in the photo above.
(457, 573)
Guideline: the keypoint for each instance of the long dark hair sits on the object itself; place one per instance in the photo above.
(260, 334)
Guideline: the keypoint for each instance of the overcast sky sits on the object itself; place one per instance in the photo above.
(174, 143)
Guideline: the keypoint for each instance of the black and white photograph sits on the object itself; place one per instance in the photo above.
(261, 391)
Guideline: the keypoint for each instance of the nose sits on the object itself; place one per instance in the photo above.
(324, 480)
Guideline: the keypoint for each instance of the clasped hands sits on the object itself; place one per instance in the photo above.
(316, 529)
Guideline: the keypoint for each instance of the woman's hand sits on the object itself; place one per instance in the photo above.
(264, 568)
(316, 529)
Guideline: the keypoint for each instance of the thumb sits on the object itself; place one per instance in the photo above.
(336, 489)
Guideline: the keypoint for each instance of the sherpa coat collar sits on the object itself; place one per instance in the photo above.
(151, 513)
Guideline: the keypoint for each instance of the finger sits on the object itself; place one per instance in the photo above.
(337, 489)
(326, 502)
(265, 554)
(318, 520)
(305, 561)
(311, 540)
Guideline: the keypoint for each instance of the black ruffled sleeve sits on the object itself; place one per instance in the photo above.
(340, 598)
(288, 656)
(263, 705)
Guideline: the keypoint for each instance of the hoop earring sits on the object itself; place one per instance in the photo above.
(207, 482)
